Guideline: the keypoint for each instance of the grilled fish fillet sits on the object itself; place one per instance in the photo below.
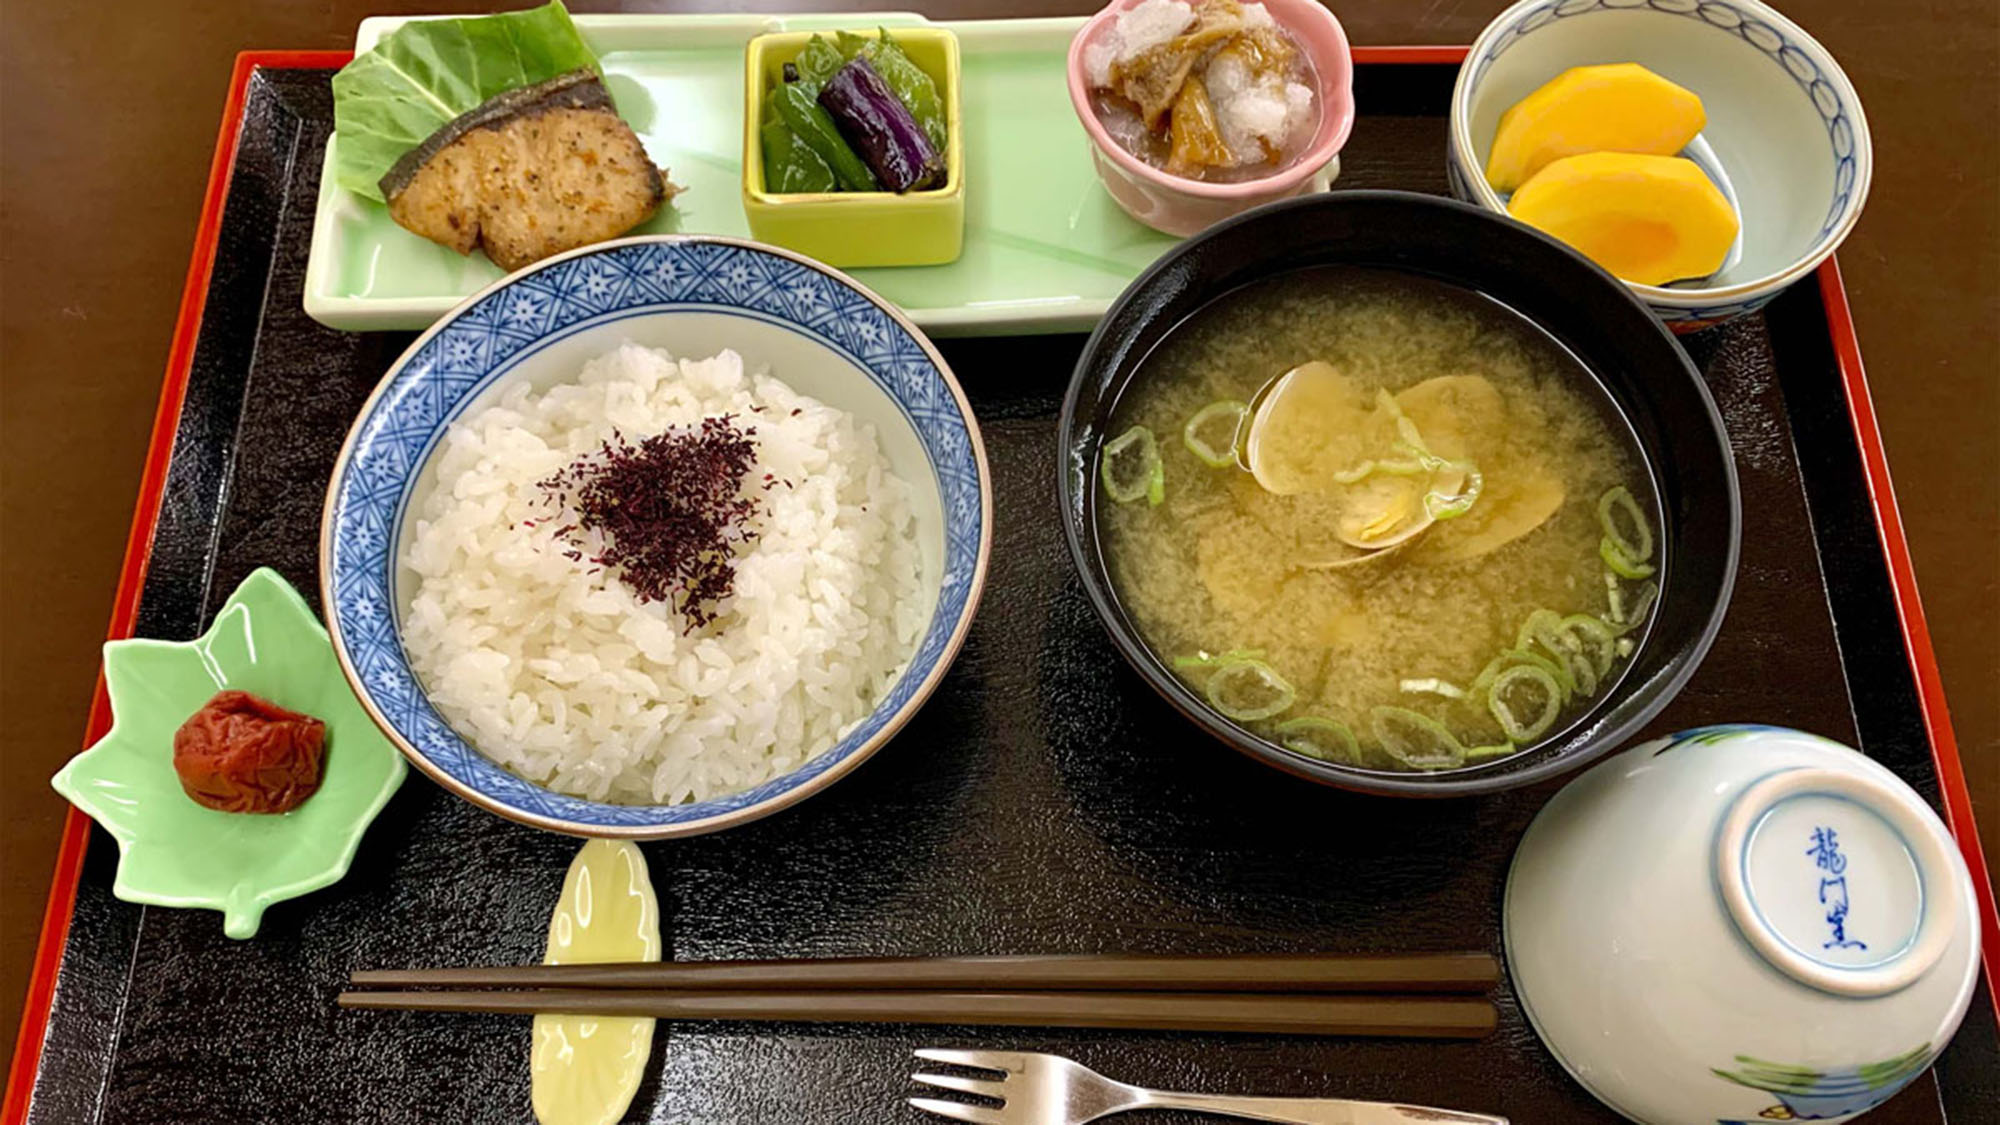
(529, 173)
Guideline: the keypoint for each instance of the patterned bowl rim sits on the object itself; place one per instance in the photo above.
(785, 797)
(1756, 289)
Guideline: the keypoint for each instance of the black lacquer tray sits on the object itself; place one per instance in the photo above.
(1044, 801)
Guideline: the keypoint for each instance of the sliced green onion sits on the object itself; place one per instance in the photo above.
(1475, 754)
(1514, 656)
(1437, 505)
(1442, 507)
(1531, 629)
(1213, 414)
(1205, 659)
(1616, 597)
(1636, 550)
(1580, 652)
(1503, 711)
(1247, 689)
(1433, 686)
(1620, 563)
(1393, 468)
(1405, 429)
(1594, 635)
(1148, 479)
(1484, 680)
(1545, 627)
(1414, 740)
(1648, 594)
(1325, 739)
(1575, 666)
(1642, 604)
(1583, 674)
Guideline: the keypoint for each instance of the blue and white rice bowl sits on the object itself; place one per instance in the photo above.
(820, 332)
(1784, 125)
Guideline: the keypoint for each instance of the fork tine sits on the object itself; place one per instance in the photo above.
(985, 1088)
(958, 1111)
(1010, 1061)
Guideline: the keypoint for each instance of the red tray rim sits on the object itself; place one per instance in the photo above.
(159, 453)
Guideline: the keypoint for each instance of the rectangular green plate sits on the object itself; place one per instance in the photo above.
(1046, 250)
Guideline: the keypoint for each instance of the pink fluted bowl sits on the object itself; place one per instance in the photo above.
(1180, 206)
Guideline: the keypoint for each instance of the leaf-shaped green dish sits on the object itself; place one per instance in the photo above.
(174, 852)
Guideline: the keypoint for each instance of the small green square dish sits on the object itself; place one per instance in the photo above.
(174, 852)
(858, 228)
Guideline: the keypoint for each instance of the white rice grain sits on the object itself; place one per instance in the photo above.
(558, 672)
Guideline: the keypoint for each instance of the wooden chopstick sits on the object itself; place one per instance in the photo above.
(1403, 1016)
(1359, 973)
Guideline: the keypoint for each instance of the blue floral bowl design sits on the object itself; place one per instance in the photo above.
(1741, 923)
(694, 295)
(1785, 128)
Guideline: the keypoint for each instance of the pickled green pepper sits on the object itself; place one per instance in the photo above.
(790, 165)
(809, 121)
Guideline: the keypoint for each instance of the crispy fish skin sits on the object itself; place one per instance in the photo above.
(527, 174)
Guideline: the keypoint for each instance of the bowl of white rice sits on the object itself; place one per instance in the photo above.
(656, 537)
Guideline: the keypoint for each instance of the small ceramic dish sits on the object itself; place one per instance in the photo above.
(174, 852)
(1643, 372)
(1785, 134)
(1741, 923)
(817, 329)
(1180, 206)
(858, 228)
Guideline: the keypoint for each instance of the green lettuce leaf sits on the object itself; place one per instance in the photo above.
(429, 71)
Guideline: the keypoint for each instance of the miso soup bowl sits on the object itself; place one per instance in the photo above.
(1180, 206)
(1627, 351)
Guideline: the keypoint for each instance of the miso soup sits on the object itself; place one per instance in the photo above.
(1379, 520)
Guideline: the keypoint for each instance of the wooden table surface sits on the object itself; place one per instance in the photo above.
(107, 121)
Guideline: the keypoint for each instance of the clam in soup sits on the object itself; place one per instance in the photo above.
(1379, 520)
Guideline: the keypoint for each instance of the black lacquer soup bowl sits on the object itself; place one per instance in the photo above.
(1644, 373)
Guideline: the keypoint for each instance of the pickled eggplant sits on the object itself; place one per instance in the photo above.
(913, 87)
(881, 128)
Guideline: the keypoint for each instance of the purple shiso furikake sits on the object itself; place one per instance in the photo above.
(667, 513)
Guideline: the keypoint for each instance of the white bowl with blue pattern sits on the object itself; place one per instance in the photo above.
(1784, 126)
(812, 326)
(1740, 924)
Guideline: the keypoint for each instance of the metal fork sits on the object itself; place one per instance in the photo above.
(1037, 1089)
